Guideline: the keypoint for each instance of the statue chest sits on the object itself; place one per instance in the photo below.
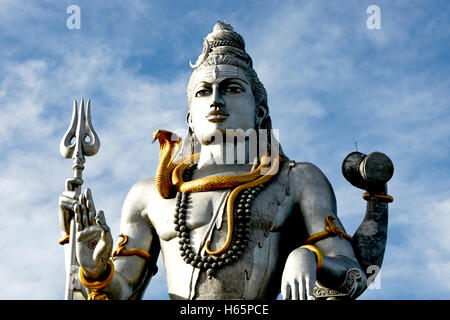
(250, 275)
(206, 212)
(201, 208)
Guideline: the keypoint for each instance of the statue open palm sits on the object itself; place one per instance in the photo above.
(93, 237)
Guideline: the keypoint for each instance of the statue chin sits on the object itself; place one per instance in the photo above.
(220, 135)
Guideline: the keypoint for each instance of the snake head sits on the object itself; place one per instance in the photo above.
(332, 228)
(164, 136)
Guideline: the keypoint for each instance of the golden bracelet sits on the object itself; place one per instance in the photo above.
(383, 197)
(318, 253)
(64, 239)
(98, 285)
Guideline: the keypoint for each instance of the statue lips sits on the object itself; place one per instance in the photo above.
(217, 116)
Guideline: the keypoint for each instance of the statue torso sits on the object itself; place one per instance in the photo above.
(257, 273)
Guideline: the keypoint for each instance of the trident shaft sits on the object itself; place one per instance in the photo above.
(80, 140)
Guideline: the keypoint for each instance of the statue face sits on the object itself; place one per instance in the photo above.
(221, 99)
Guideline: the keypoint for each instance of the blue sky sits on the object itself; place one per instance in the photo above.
(330, 80)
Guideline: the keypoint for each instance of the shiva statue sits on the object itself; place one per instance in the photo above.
(231, 215)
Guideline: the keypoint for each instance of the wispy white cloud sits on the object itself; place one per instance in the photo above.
(330, 81)
(36, 104)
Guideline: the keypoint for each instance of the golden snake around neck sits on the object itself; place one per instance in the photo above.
(169, 176)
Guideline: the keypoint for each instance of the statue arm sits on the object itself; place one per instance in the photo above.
(316, 201)
(133, 272)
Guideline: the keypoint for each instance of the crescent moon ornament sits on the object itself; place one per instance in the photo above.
(203, 55)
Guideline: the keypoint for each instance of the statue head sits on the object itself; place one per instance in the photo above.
(224, 91)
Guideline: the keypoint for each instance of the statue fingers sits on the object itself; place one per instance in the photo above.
(302, 290)
(84, 213)
(106, 242)
(89, 199)
(82, 200)
(78, 218)
(91, 212)
(91, 217)
(309, 286)
(101, 221)
(285, 290)
(294, 290)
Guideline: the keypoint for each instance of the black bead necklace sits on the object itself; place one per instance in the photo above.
(242, 216)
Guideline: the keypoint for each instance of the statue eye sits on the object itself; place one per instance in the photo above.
(202, 92)
(234, 89)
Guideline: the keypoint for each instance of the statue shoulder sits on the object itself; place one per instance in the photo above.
(141, 194)
(307, 177)
(143, 188)
(307, 171)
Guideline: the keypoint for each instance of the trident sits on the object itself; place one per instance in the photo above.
(79, 140)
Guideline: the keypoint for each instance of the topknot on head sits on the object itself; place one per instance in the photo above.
(223, 41)
(219, 26)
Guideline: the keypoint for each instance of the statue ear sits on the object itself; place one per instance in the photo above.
(189, 120)
(261, 113)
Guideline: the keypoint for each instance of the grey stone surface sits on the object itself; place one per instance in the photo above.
(224, 93)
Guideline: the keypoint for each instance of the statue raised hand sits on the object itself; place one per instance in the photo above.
(93, 237)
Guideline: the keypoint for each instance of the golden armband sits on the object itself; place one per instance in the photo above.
(330, 231)
(121, 251)
(380, 197)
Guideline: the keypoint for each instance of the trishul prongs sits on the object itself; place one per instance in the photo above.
(79, 141)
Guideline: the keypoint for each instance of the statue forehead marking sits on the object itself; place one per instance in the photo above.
(219, 71)
(215, 72)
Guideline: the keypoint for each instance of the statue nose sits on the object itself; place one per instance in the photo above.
(217, 105)
(217, 101)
